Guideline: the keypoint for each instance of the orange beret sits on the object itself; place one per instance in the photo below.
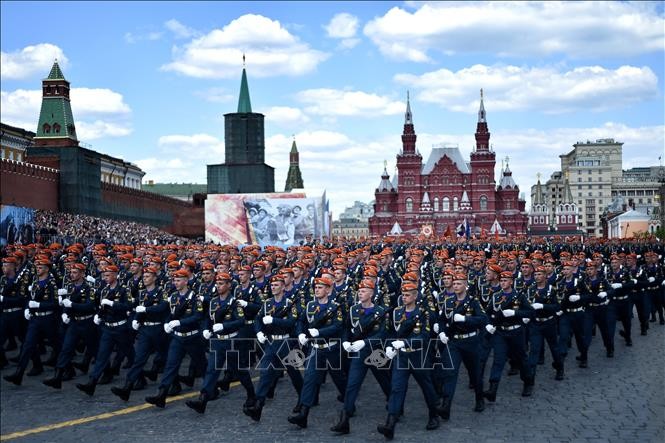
(507, 274)
(138, 261)
(189, 263)
(410, 276)
(245, 268)
(208, 267)
(9, 260)
(110, 268)
(173, 264)
(43, 262)
(223, 276)
(150, 270)
(277, 278)
(409, 286)
(369, 284)
(181, 273)
(495, 268)
(323, 281)
(460, 276)
(79, 266)
(370, 272)
(540, 269)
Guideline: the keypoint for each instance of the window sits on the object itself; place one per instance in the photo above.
(509, 205)
(446, 204)
(409, 204)
(436, 204)
(56, 128)
(570, 219)
(483, 203)
(47, 128)
(455, 204)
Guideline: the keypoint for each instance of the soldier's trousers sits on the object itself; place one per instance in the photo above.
(12, 324)
(224, 355)
(458, 351)
(572, 323)
(640, 299)
(539, 332)
(320, 361)
(112, 337)
(509, 344)
(77, 330)
(193, 346)
(39, 329)
(271, 364)
(404, 365)
(150, 339)
(619, 310)
(357, 372)
(597, 315)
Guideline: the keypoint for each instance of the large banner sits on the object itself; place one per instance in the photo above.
(17, 225)
(279, 219)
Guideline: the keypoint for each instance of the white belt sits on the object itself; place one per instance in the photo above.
(11, 310)
(118, 323)
(249, 322)
(185, 334)
(510, 328)
(324, 345)
(42, 314)
(581, 308)
(538, 319)
(623, 297)
(151, 323)
(85, 317)
(409, 349)
(279, 337)
(227, 336)
(595, 305)
(460, 336)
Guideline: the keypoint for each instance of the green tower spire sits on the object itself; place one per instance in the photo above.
(56, 121)
(244, 104)
(294, 177)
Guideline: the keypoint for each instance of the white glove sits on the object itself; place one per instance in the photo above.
(207, 334)
(27, 314)
(617, 285)
(459, 318)
(634, 281)
(2, 298)
(444, 338)
(436, 328)
(65, 319)
(398, 344)
(313, 332)
(242, 303)
(435, 294)
(30, 288)
(346, 345)
(602, 294)
(90, 279)
(217, 327)
(267, 320)
(33, 304)
(67, 303)
(574, 298)
(390, 352)
(508, 313)
(62, 291)
(559, 313)
(167, 328)
(96, 320)
(651, 279)
(302, 338)
(59, 298)
(357, 345)
(174, 324)
(526, 320)
(135, 325)
(107, 302)
(663, 283)
(140, 308)
(490, 328)
(537, 306)
(261, 337)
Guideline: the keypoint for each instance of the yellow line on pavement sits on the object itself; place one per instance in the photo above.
(104, 416)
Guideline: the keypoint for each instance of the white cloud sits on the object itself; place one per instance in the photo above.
(272, 51)
(98, 113)
(343, 26)
(35, 59)
(335, 102)
(546, 89)
(180, 30)
(134, 37)
(578, 29)
(285, 116)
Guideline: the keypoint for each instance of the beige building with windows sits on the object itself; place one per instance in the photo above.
(14, 141)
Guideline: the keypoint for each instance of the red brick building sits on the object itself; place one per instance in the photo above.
(446, 190)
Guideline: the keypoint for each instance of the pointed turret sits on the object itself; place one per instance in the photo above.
(56, 121)
(244, 103)
(294, 177)
(538, 198)
(481, 111)
(482, 133)
(385, 185)
(507, 181)
(56, 73)
(408, 117)
(567, 194)
(409, 134)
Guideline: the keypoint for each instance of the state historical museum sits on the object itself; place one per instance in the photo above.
(447, 193)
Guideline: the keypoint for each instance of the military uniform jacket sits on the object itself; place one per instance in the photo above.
(45, 292)
(326, 317)
(654, 271)
(596, 286)
(122, 303)
(522, 283)
(13, 292)
(484, 292)
(284, 314)
(227, 312)
(469, 307)
(621, 276)
(134, 285)
(82, 298)
(413, 327)
(253, 298)
(188, 308)
(546, 296)
(575, 286)
(367, 323)
(156, 306)
(514, 300)
(393, 282)
(207, 291)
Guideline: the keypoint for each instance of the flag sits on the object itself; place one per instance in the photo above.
(447, 233)
(468, 229)
(461, 229)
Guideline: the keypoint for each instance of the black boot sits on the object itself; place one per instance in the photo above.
(388, 429)
(490, 394)
(433, 422)
(250, 402)
(107, 376)
(37, 369)
(175, 388)
(559, 373)
(140, 384)
(225, 383)
(16, 377)
(296, 409)
(69, 373)
(610, 352)
(300, 419)
(527, 389)
(643, 328)
(187, 380)
(444, 411)
(56, 380)
(151, 374)
(123, 392)
(342, 427)
(158, 400)
(254, 412)
(480, 403)
(88, 388)
(200, 404)
(583, 361)
(82, 365)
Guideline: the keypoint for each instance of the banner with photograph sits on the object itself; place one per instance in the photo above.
(17, 225)
(283, 222)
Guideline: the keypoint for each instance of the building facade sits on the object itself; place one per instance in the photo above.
(14, 141)
(447, 191)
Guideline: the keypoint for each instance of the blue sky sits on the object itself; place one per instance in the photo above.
(151, 81)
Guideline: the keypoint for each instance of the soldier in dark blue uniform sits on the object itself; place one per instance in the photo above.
(151, 313)
(275, 323)
(79, 306)
(638, 296)
(596, 312)
(114, 303)
(654, 286)
(410, 332)
(619, 308)
(225, 318)
(187, 313)
(505, 311)
(460, 320)
(13, 292)
(573, 298)
(367, 331)
(41, 319)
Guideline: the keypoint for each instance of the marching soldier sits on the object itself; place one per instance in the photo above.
(573, 298)
(596, 312)
(12, 300)
(619, 308)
